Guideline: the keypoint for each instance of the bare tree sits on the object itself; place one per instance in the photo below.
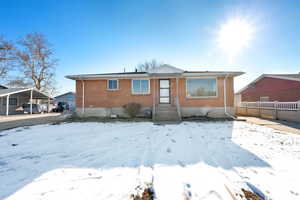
(7, 58)
(148, 65)
(18, 81)
(36, 62)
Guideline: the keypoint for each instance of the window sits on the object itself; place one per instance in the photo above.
(113, 84)
(264, 99)
(201, 87)
(12, 101)
(140, 86)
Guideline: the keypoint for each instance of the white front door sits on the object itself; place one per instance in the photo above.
(164, 91)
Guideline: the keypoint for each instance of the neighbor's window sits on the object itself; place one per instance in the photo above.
(264, 98)
(12, 101)
(113, 84)
(140, 86)
(201, 87)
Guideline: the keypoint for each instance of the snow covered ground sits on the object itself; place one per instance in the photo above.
(185, 161)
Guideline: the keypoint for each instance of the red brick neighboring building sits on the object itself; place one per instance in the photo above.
(272, 87)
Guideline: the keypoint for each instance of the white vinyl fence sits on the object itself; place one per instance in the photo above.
(289, 111)
(275, 105)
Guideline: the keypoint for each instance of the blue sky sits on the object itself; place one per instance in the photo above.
(95, 36)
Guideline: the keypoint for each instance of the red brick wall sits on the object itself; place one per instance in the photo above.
(275, 89)
(97, 95)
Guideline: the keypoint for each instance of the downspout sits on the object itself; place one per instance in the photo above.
(225, 99)
(154, 98)
(82, 110)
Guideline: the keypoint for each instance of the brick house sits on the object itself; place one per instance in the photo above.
(272, 87)
(168, 92)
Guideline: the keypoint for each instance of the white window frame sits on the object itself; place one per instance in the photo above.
(107, 87)
(200, 97)
(132, 90)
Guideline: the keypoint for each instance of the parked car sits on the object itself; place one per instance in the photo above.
(36, 108)
(44, 107)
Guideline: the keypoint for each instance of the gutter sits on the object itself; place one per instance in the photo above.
(225, 99)
(149, 75)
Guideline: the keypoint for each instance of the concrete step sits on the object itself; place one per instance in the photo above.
(166, 113)
(167, 119)
(166, 107)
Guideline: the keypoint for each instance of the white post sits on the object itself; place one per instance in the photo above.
(225, 95)
(276, 109)
(7, 105)
(177, 98)
(298, 105)
(48, 109)
(259, 108)
(31, 94)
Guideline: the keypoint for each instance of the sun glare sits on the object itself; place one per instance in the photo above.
(234, 36)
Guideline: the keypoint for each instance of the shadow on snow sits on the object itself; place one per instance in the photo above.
(112, 145)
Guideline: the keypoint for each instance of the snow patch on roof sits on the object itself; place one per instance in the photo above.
(166, 69)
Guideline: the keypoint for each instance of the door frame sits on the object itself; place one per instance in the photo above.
(164, 88)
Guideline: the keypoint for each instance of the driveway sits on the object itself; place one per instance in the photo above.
(14, 121)
(292, 127)
(185, 161)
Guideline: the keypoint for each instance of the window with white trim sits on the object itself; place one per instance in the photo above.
(113, 84)
(140, 86)
(201, 87)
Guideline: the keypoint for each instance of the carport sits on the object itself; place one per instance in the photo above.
(12, 98)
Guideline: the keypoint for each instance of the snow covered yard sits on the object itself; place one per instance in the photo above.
(185, 161)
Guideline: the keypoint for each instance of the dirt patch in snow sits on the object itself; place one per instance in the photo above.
(106, 119)
(205, 118)
(148, 194)
(251, 195)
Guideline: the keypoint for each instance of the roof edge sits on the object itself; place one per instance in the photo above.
(269, 76)
(149, 75)
(64, 94)
(23, 90)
